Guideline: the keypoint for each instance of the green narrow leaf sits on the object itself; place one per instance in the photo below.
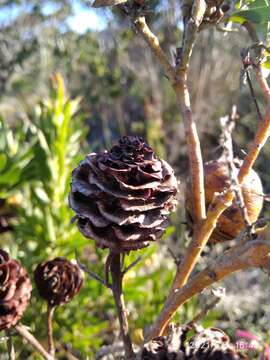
(3, 161)
(257, 15)
(11, 177)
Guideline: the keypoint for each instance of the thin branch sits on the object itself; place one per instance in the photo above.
(205, 310)
(90, 273)
(200, 238)
(253, 95)
(24, 333)
(107, 270)
(261, 137)
(201, 235)
(10, 346)
(190, 31)
(203, 227)
(250, 254)
(182, 93)
(203, 232)
(260, 78)
(193, 148)
(178, 78)
(50, 311)
(263, 84)
(263, 131)
(117, 289)
(130, 266)
(176, 259)
(154, 45)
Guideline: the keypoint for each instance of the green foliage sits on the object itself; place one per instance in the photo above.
(256, 12)
(40, 149)
(15, 157)
(55, 134)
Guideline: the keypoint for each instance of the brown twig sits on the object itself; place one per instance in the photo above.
(90, 273)
(261, 137)
(204, 231)
(204, 312)
(263, 84)
(260, 78)
(50, 312)
(10, 346)
(250, 254)
(117, 289)
(24, 333)
(178, 78)
(264, 127)
(182, 94)
(203, 228)
(253, 95)
(154, 45)
(179, 82)
(200, 238)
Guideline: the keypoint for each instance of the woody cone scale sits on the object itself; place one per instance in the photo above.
(122, 197)
(15, 291)
(231, 222)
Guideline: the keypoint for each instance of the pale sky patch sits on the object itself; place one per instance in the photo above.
(86, 18)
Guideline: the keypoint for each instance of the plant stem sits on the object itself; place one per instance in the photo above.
(153, 43)
(50, 311)
(178, 78)
(203, 227)
(183, 98)
(261, 137)
(117, 289)
(10, 347)
(203, 232)
(24, 333)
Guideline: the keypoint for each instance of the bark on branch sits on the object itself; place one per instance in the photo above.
(203, 227)
(251, 254)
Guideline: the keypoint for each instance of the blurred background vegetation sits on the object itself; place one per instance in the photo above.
(109, 86)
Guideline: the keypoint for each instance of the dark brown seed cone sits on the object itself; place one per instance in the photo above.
(207, 344)
(230, 223)
(58, 281)
(15, 291)
(123, 197)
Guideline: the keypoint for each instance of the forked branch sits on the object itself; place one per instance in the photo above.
(251, 254)
(203, 227)
(178, 78)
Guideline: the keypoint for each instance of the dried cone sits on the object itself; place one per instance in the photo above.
(230, 223)
(123, 197)
(58, 281)
(15, 291)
